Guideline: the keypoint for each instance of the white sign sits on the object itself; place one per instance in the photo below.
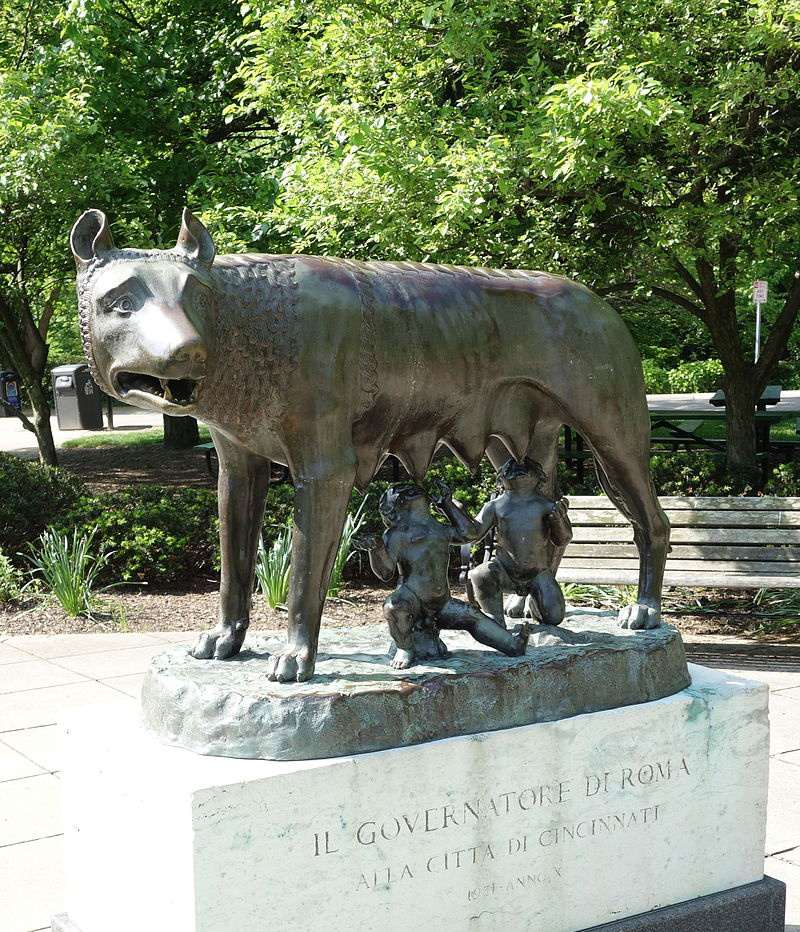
(759, 292)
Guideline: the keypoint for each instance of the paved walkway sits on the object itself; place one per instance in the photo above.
(15, 439)
(44, 677)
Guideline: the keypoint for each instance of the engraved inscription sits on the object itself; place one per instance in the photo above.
(516, 830)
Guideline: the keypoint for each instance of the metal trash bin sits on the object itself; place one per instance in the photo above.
(79, 402)
(9, 392)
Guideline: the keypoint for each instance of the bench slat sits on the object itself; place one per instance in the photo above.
(689, 552)
(747, 567)
(687, 518)
(671, 578)
(696, 535)
(700, 503)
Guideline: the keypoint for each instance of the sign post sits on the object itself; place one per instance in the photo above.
(759, 297)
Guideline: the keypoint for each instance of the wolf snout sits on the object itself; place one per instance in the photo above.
(193, 354)
(173, 344)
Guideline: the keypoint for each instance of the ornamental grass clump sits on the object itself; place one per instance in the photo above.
(352, 525)
(273, 568)
(69, 567)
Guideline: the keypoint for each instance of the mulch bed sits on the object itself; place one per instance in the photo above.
(144, 609)
(112, 468)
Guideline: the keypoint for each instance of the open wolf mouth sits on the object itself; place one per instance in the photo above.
(182, 392)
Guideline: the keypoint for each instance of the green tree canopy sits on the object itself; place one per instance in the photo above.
(114, 105)
(646, 148)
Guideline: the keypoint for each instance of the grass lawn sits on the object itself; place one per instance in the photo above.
(124, 438)
(715, 429)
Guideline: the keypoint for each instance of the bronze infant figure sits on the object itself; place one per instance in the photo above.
(329, 365)
(531, 534)
(417, 547)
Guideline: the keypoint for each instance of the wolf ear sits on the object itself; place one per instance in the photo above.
(90, 237)
(194, 240)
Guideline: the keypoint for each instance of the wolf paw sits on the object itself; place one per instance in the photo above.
(221, 642)
(639, 616)
(292, 664)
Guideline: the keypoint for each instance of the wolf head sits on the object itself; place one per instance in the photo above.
(146, 316)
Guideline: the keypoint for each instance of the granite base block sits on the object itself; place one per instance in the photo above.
(753, 907)
(555, 826)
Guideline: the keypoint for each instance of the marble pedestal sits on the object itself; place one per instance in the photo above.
(553, 827)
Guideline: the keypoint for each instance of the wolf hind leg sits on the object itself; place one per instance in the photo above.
(628, 484)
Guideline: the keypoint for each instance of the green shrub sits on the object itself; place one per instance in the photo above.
(158, 534)
(32, 497)
(702, 376)
(784, 480)
(273, 568)
(694, 473)
(656, 378)
(471, 490)
(280, 503)
(10, 580)
(69, 568)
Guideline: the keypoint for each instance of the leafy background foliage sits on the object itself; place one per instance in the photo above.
(621, 142)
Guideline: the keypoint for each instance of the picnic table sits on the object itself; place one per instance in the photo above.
(681, 415)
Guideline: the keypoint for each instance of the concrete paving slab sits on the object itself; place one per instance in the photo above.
(32, 884)
(783, 807)
(15, 439)
(35, 674)
(792, 856)
(44, 746)
(793, 693)
(784, 724)
(14, 765)
(11, 654)
(131, 685)
(31, 809)
(48, 706)
(178, 637)
(55, 646)
(110, 663)
(775, 679)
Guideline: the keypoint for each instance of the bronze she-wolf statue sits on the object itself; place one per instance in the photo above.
(328, 365)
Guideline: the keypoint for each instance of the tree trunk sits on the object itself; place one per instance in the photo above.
(180, 433)
(41, 425)
(741, 431)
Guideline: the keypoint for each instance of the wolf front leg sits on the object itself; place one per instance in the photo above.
(243, 483)
(320, 508)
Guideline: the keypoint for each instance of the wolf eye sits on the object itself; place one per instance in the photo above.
(124, 304)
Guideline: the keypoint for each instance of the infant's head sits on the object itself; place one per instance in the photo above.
(399, 500)
(522, 474)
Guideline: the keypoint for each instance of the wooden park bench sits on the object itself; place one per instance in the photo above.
(726, 543)
(210, 453)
